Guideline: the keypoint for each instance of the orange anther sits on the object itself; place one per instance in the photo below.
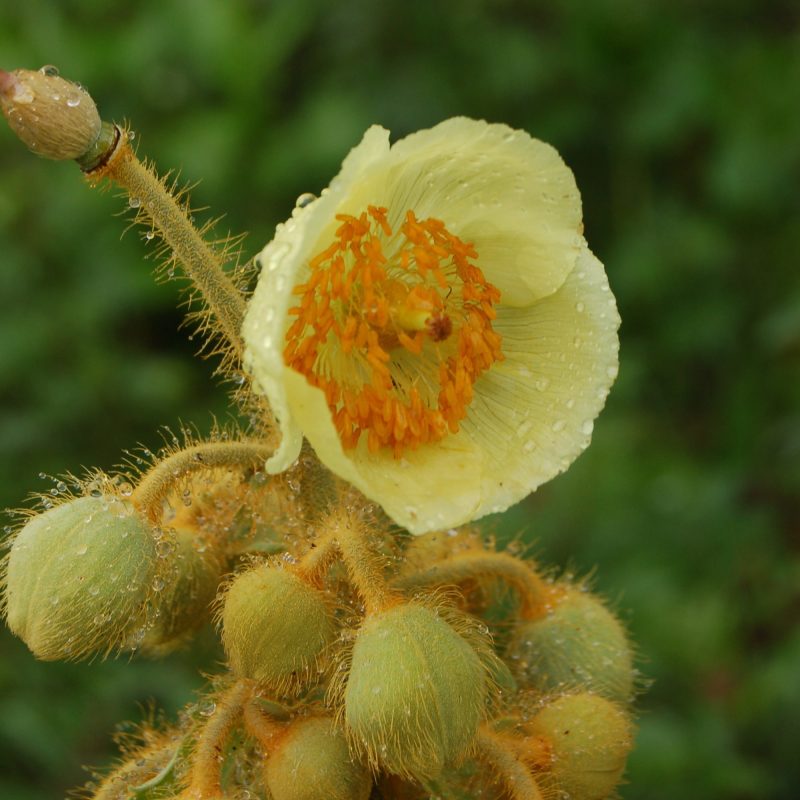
(363, 318)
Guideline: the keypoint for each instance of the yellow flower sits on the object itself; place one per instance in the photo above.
(435, 324)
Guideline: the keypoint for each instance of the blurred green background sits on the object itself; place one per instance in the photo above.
(681, 121)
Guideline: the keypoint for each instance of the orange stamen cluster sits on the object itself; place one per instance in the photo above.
(372, 297)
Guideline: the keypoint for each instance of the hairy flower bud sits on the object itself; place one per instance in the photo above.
(415, 693)
(312, 762)
(590, 739)
(274, 626)
(578, 645)
(186, 592)
(78, 577)
(55, 118)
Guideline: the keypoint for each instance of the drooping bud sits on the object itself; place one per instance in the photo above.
(415, 693)
(312, 762)
(578, 645)
(184, 594)
(274, 626)
(55, 118)
(78, 577)
(590, 739)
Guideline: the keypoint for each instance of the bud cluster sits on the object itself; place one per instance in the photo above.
(332, 690)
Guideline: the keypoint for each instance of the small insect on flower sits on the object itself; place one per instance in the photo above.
(435, 324)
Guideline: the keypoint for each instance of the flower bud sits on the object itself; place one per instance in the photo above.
(78, 577)
(184, 595)
(578, 645)
(274, 626)
(590, 739)
(312, 762)
(54, 118)
(415, 693)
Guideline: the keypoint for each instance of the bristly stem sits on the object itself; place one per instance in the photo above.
(206, 765)
(199, 260)
(160, 481)
(360, 559)
(514, 774)
(533, 591)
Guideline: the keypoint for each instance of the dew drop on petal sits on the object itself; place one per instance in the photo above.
(305, 199)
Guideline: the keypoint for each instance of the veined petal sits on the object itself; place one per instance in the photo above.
(510, 195)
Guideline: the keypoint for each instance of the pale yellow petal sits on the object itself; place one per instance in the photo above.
(510, 195)
(283, 262)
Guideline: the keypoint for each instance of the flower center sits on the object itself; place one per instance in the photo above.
(395, 328)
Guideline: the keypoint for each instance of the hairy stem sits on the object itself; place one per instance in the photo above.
(199, 260)
(259, 725)
(156, 485)
(361, 561)
(533, 591)
(493, 750)
(322, 551)
(206, 765)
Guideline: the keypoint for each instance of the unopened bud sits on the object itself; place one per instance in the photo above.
(185, 589)
(578, 645)
(78, 577)
(415, 693)
(590, 739)
(55, 118)
(274, 626)
(312, 762)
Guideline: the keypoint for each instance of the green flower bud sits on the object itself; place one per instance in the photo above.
(184, 596)
(590, 739)
(415, 693)
(312, 762)
(274, 626)
(578, 645)
(78, 577)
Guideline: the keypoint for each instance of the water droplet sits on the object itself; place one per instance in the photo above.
(95, 492)
(542, 384)
(558, 425)
(131, 135)
(587, 427)
(305, 199)
(579, 307)
(61, 486)
(158, 584)
(207, 708)
(524, 428)
(73, 102)
(81, 551)
(570, 403)
(612, 371)
(529, 446)
(134, 202)
(94, 591)
(49, 70)
(149, 235)
(125, 489)
(577, 341)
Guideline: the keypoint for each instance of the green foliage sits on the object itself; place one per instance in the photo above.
(681, 123)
